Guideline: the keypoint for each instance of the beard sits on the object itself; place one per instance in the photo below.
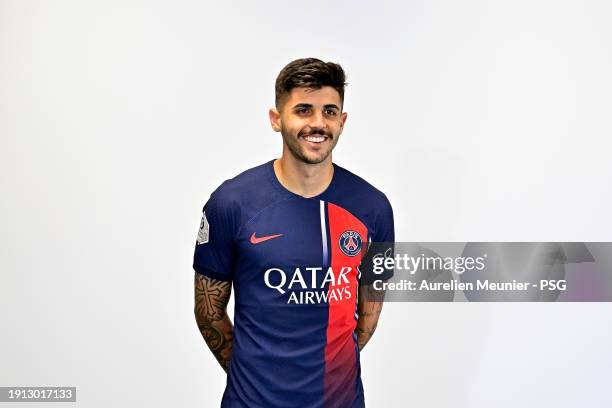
(300, 153)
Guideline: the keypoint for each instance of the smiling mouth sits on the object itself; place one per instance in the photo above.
(315, 138)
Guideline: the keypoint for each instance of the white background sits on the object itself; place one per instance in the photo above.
(480, 121)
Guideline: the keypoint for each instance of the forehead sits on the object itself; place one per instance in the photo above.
(326, 95)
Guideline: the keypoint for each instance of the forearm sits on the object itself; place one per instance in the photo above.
(219, 338)
(369, 309)
(211, 298)
(366, 326)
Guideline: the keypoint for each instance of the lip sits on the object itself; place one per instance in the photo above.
(325, 138)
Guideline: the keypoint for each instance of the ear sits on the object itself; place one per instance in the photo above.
(275, 119)
(343, 120)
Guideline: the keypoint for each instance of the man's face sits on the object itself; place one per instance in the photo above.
(311, 122)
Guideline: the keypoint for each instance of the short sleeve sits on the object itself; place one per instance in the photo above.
(214, 250)
(384, 228)
(381, 245)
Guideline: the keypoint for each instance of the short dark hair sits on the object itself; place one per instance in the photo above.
(309, 73)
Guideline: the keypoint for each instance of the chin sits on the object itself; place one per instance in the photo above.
(315, 160)
(307, 157)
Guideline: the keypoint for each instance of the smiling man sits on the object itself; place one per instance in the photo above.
(290, 235)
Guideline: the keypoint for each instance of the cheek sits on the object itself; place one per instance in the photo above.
(337, 126)
(290, 129)
(295, 127)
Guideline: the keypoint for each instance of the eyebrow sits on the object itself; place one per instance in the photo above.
(308, 105)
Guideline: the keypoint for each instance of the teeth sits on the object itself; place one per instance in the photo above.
(315, 139)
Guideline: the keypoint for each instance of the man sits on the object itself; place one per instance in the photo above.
(290, 235)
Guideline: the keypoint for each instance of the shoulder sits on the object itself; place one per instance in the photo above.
(360, 192)
(246, 186)
(366, 202)
(243, 196)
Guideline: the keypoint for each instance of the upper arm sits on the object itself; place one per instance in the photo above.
(214, 249)
(211, 298)
(381, 245)
(384, 228)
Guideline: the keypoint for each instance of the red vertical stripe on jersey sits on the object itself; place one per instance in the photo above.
(340, 349)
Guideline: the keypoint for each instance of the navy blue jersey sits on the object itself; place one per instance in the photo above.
(294, 264)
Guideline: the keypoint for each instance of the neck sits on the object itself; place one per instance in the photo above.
(307, 180)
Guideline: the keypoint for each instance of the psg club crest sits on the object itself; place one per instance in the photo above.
(350, 243)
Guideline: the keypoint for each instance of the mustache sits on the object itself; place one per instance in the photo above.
(316, 132)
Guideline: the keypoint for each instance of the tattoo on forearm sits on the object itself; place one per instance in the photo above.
(369, 309)
(211, 298)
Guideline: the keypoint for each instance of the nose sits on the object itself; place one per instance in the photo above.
(316, 121)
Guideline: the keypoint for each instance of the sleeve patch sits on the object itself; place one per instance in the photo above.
(203, 231)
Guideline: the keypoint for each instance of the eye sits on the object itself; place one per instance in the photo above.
(302, 111)
(331, 112)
